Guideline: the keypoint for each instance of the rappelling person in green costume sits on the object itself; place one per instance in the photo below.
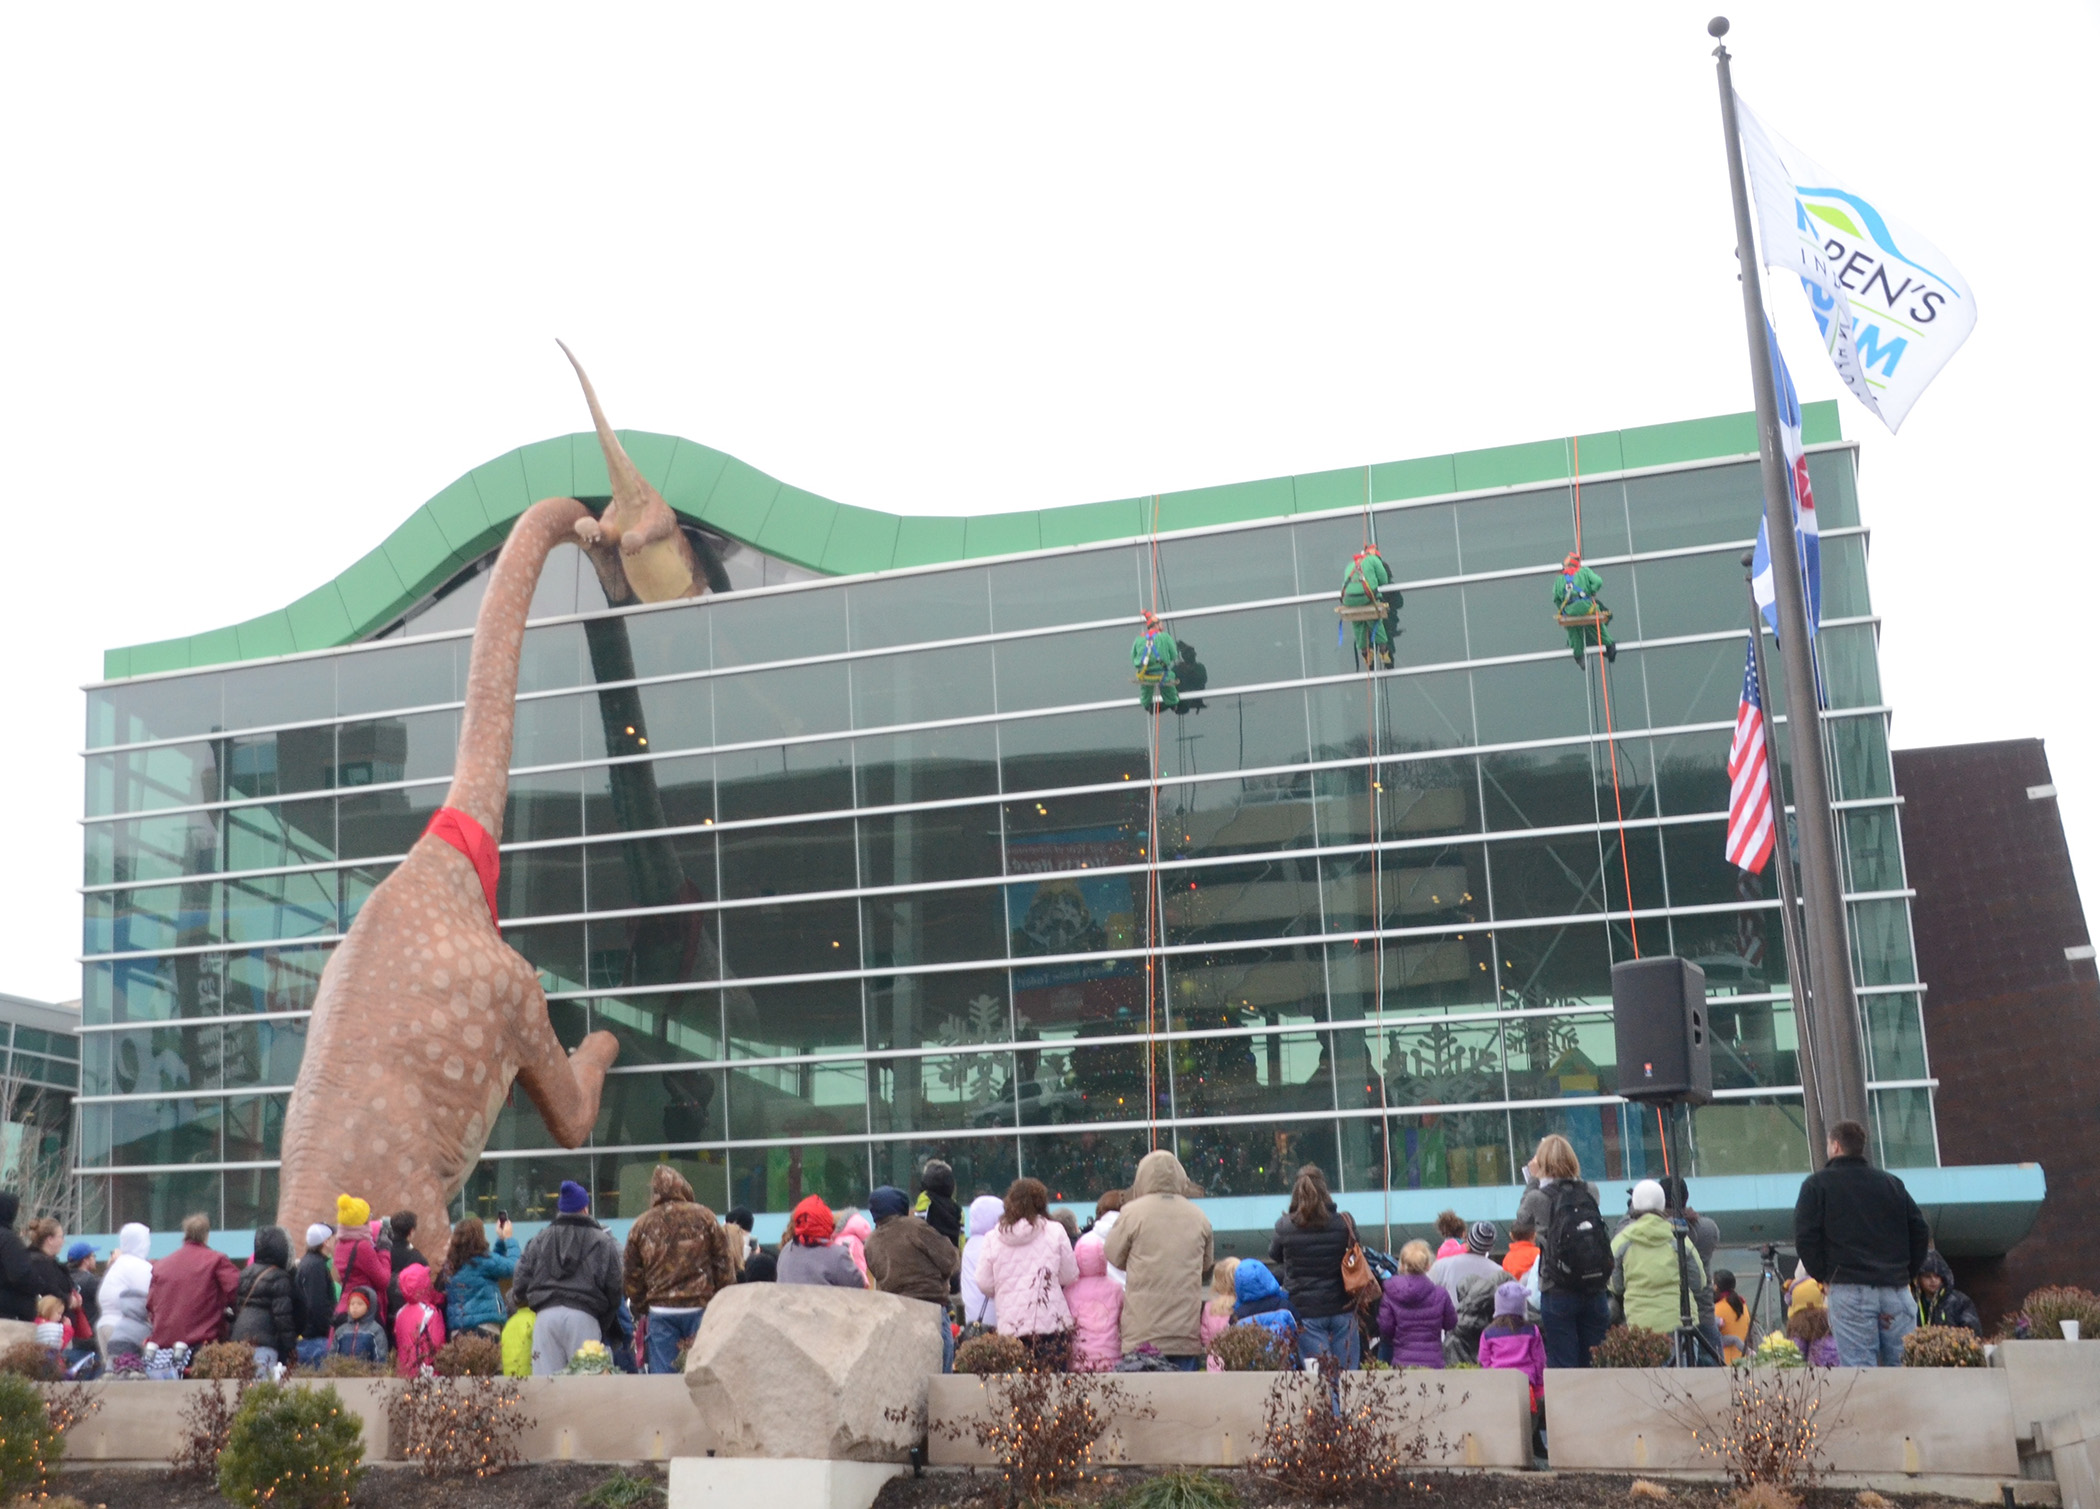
(1153, 654)
(1363, 586)
(1575, 597)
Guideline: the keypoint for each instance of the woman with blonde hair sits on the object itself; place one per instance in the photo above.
(1217, 1314)
(1575, 1262)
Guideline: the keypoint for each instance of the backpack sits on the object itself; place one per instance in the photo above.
(1577, 1249)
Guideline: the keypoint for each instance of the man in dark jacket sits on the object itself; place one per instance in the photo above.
(80, 1263)
(570, 1275)
(18, 1289)
(192, 1286)
(314, 1286)
(910, 1258)
(677, 1258)
(265, 1304)
(1863, 1239)
(401, 1248)
(1939, 1302)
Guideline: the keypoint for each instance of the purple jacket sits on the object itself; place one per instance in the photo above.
(1413, 1317)
(1523, 1349)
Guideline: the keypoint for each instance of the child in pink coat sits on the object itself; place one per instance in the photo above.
(1217, 1315)
(1096, 1302)
(1026, 1265)
(419, 1330)
(853, 1236)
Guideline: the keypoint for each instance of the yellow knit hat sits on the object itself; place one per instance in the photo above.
(351, 1211)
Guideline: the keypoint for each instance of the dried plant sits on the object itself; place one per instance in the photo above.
(335, 1365)
(1631, 1347)
(1041, 1429)
(1641, 1488)
(1942, 1347)
(1867, 1498)
(1335, 1435)
(228, 1361)
(1253, 1349)
(1763, 1496)
(205, 1423)
(1771, 1433)
(468, 1356)
(34, 1361)
(67, 1404)
(459, 1425)
(991, 1354)
(2046, 1309)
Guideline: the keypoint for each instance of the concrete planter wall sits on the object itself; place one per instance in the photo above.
(1908, 1422)
(1215, 1419)
(2048, 1379)
(611, 1419)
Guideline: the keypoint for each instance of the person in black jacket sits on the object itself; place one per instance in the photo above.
(1939, 1302)
(265, 1305)
(401, 1228)
(45, 1239)
(570, 1275)
(18, 1290)
(80, 1264)
(1306, 1251)
(314, 1288)
(1863, 1239)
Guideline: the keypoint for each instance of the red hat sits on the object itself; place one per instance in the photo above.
(1571, 562)
(811, 1224)
(1151, 618)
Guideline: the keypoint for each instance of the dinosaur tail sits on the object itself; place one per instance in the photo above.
(481, 775)
(630, 489)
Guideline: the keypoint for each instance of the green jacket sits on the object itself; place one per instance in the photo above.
(1359, 587)
(1165, 653)
(1644, 1275)
(1587, 584)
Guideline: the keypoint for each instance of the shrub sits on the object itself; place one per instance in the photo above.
(1341, 1435)
(620, 1491)
(2046, 1309)
(31, 1447)
(32, 1360)
(333, 1366)
(1770, 1434)
(226, 1361)
(1178, 1488)
(205, 1423)
(1641, 1488)
(1631, 1347)
(459, 1425)
(67, 1404)
(1253, 1349)
(126, 1367)
(298, 1448)
(1041, 1429)
(1942, 1347)
(469, 1356)
(1776, 1351)
(991, 1353)
(1763, 1496)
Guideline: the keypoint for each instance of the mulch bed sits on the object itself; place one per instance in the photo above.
(1448, 1490)
(537, 1485)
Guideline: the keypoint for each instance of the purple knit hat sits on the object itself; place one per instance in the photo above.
(1510, 1299)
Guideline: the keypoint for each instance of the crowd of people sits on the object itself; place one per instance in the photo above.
(1138, 1287)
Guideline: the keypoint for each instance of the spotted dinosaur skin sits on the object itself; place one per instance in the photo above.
(424, 1016)
(635, 546)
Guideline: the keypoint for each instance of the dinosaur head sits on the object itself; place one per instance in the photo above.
(631, 491)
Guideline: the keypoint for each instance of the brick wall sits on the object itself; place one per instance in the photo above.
(2012, 1026)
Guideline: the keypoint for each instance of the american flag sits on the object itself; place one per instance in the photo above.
(1750, 786)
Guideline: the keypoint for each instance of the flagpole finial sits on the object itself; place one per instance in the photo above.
(1718, 27)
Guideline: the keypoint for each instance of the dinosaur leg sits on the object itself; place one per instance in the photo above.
(564, 1086)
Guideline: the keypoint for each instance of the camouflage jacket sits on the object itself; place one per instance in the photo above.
(677, 1252)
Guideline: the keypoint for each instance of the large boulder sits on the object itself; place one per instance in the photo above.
(797, 1370)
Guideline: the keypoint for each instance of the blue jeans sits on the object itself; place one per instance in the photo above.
(1335, 1336)
(313, 1350)
(947, 1343)
(1572, 1323)
(666, 1334)
(1869, 1324)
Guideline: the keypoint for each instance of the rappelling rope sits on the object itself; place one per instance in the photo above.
(1611, 743)
(1373, 789)
(1154, 921)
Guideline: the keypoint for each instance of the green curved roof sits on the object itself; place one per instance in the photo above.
(707, 486)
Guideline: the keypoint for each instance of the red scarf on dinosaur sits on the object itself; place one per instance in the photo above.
(471, 839)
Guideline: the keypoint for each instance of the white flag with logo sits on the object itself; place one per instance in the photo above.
(1891, 307)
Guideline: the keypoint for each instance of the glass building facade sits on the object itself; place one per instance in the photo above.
(861, 869)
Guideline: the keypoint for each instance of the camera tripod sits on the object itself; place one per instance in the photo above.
(1690, 1346)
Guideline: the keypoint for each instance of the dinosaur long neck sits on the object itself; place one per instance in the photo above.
(481, 775)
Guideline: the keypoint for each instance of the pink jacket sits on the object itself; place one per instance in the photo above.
(1213, 1327)
(1096, 1302)
(1522, 1349)
(419, 1330)
(853, 1236)
(1026, 1268)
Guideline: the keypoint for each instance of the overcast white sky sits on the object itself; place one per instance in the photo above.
(275, 275)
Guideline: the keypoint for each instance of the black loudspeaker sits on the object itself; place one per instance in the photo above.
(1659, 1016)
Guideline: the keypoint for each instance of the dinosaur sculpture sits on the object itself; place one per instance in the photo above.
(424, 1016)
(636, 546)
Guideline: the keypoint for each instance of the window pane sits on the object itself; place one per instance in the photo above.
(280, 906)
(789, 857)
(1544, 699)
(410, 675)
(417, 747)
(1418, 543)
(1062, 670)
(296, 759)
(1845, 577)
(1689, 594)
(541, 883)
(1077, 1165)
(916, 609)
(1252, 814)
(1244, 649)
(793, 1101)
(1751, 1137)
(792, 701)
(663, 1029)
(1860, 757)
(1836, 486)
(661, 1110)
(1253, 1160)
(668, 641)
(1895, 1036)
(552, 656)
(665, 949)
(1881, 943)
(385, 822)
(1566, 964)
(666, 870)
(1691, 772)
(1240, 567)
(790, 940)
(1691, 683)
(673, 715)
(786, 626)
(1525, 529)
(949, 843)
(1513, 616)
(1077, 832)
(140, 710)
(1073, 749)
(542, 806)
(1419, 974)
(937, 765)
(784, 780)
(1905, 1120)
(262, 1053)
(273, 979)
(1874, 852)
(925, 686)
(1851, 674)
(1274, 897)
(1541, 788)
(1709, 506)
(177, 775)
(1080, 587)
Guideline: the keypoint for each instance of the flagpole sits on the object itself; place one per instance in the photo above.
(1831, 1015)
(1797, 965)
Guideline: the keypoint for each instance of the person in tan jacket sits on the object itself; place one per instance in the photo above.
(1163, 1242)
(907, 1257)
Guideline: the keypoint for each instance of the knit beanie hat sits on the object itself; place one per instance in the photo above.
(1509, 1300)
(316, 1234)
(1481, 1238)
(351, 1211)
(888, 1201)
(1647, 1198)
(575, 1199)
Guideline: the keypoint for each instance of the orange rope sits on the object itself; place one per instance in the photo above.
(1611, 743)
(1575, 447)
(1154, 922)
